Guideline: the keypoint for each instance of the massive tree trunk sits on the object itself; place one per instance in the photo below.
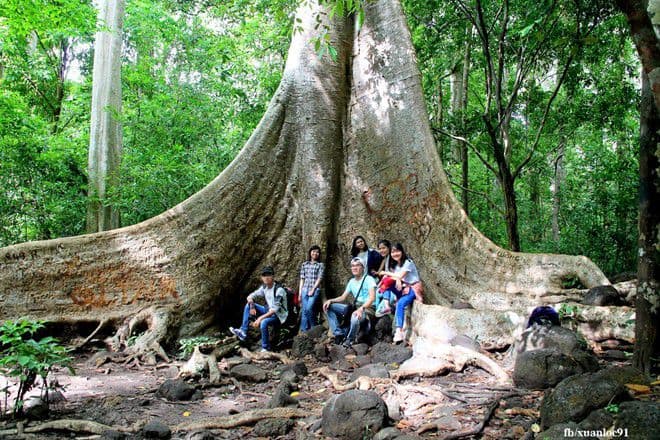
(105, 136)
(344, 148)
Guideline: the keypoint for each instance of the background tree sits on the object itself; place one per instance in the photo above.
(105, 137)
(647, 306)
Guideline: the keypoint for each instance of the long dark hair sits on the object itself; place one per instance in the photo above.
(387, 244)
(354, 249)
(404, 256)
(314, 248)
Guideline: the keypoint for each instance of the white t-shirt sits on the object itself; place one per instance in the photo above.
(412, 276)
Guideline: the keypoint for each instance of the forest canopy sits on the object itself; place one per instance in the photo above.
(197, 77)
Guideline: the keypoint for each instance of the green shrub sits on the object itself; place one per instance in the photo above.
(25, 359)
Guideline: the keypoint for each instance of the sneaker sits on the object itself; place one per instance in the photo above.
(240, 334)
(264, 350)
(398, 336)
(339, 339)
(383, 311)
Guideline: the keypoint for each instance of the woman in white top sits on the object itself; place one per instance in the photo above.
(408, 285)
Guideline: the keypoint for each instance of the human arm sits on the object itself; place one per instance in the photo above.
(319, 278)
(340, 298)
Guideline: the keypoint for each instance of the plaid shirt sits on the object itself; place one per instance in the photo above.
(310, 271)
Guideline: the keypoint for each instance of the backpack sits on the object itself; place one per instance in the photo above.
(290, 304)
(543, 315)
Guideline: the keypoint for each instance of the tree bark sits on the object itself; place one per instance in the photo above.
(345, 148)
(647, 303)
(105, 137)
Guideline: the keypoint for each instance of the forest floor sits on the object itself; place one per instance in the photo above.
(121, 396)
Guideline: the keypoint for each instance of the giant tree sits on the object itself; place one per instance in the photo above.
(343, 148)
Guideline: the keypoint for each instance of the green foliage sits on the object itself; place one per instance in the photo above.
(186, 346)
(25, 359)
(568, 311)
(613, 408)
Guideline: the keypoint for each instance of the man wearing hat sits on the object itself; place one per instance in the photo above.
(363, 289)
(273, 313)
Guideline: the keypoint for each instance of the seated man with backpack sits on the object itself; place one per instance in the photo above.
(363, 289)
(273, 313)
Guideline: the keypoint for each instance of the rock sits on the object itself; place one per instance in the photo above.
(111, 434)
(602, 296)
(361, 349)
(576, 396)
(371, 370)
(197, 395)
(466, 342)
(156, 429)
(363, 360)
(302, 345)
(339, 352)
(293, 372)
(342, 365)
(640, 419)
(35, 408)
(201, 435)
(616, 355)
(272, 428)
(556, 432)
(540, 369)
(597, 420)
(249, 373)
(553, 337)
(353, 414)
(387, 434)
(390, 354)
(624, 375)
(458, 305)
(175, 390)
(321, 352)
(382, 330)
(317, 332)
(282, 396)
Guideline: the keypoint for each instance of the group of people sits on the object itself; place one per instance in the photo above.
(384, 281)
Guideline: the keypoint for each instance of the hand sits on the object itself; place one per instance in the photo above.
(326, 305)
(256, 323)
(399, 285)
(359, 312)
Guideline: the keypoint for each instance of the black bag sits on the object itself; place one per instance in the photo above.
(289, 304)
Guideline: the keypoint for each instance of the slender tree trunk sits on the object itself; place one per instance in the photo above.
(345, 148)
(64, 59)
(465, 169)
(558, 181)
(105, 143)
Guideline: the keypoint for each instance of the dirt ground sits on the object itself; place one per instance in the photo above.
(121, 396)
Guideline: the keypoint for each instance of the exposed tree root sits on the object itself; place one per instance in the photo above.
(102, 324)
(72, 425)
(244, 418)
(151, 324)
(265, 356)
(432, 359)
(467, 432)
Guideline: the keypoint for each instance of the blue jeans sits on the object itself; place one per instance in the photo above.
(337, 312)
(401, 306)
(307, 313)
(271, 320)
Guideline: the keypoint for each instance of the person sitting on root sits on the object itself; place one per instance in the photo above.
(273, 313)
(408, 286)
(362, 287)
(371, 259)
(385, 298)
(311, 275)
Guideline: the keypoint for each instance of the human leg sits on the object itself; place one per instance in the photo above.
(356, 325)
(401, 306)
(308, 320)
(265, 337)
(335, 314)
